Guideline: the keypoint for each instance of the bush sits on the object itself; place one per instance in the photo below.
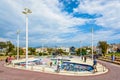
(1, 54)
(40, 54)
(44, 54)
(65, 53)
(29, 53)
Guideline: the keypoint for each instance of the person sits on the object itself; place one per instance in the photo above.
(50, 64)
(9, 59)
(95, 65)
(6, 60)
(85, 58)
(112, 57)
(58, 67)
(81, 57)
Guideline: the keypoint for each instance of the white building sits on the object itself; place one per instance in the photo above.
(41, 50)
(65, 49)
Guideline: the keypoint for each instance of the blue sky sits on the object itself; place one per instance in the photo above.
(61, 22)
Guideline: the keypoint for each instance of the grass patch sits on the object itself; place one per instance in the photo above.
(116, 55)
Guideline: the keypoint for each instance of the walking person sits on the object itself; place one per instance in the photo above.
(85, 58)
(95, 65)
(50, 64)
(6, 60)
(9, 59)
(58, 67)
(113, 58)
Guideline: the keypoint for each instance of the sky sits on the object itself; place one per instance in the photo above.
(61, 22)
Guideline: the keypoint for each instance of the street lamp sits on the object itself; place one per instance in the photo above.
(42, 49)
(92, 43)
(80, 50)
(18, 32)
(26, 12)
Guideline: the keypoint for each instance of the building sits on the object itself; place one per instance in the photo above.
(65, 49)
(38, 50)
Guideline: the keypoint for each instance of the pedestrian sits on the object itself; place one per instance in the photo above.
(85, 58)
(6, 60)
(112, 58)
(82, 57)
(9, 59)
(58, 67)
(95, 65)
(50, 64)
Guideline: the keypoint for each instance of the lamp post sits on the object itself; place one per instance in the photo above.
(42, 49)
(26, 12)
(80, 49)
(92, 43)
(18, 32)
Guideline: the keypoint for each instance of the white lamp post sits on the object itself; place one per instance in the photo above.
(42, 49)
(18, 32)
(80, 49)
(26, 12)
(92, 43)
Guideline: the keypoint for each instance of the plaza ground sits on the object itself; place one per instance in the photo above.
(16, 74)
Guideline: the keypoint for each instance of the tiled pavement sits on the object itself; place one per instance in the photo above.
(15, 74)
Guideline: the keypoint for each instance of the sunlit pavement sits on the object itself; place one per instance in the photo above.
(16, 74)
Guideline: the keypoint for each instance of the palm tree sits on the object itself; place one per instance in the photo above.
(103, 46)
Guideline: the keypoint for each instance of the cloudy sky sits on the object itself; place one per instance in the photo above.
(61, 22)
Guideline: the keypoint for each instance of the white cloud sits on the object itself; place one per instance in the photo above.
(47, 22)
(109, 10)
(51, 22)
(3, 40)
(53, 18)
(46, 18)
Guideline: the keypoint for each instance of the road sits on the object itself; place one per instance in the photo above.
(16, 74)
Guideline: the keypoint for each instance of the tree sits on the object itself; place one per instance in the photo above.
(3, 45)
(49, 50)
(84, 51)
(59, 51)
(9, 47)
(78, 51)
(21, 51)
(31, 51)
(103, 46)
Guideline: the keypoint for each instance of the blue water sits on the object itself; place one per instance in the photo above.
(69, 66)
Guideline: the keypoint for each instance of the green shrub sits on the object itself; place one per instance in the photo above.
(30, 53)
(1, 54)
(40, 54)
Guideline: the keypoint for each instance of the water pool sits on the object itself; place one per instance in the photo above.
(70, 66)
(65, 64)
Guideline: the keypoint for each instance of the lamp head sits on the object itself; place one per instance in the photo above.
(27, 11)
